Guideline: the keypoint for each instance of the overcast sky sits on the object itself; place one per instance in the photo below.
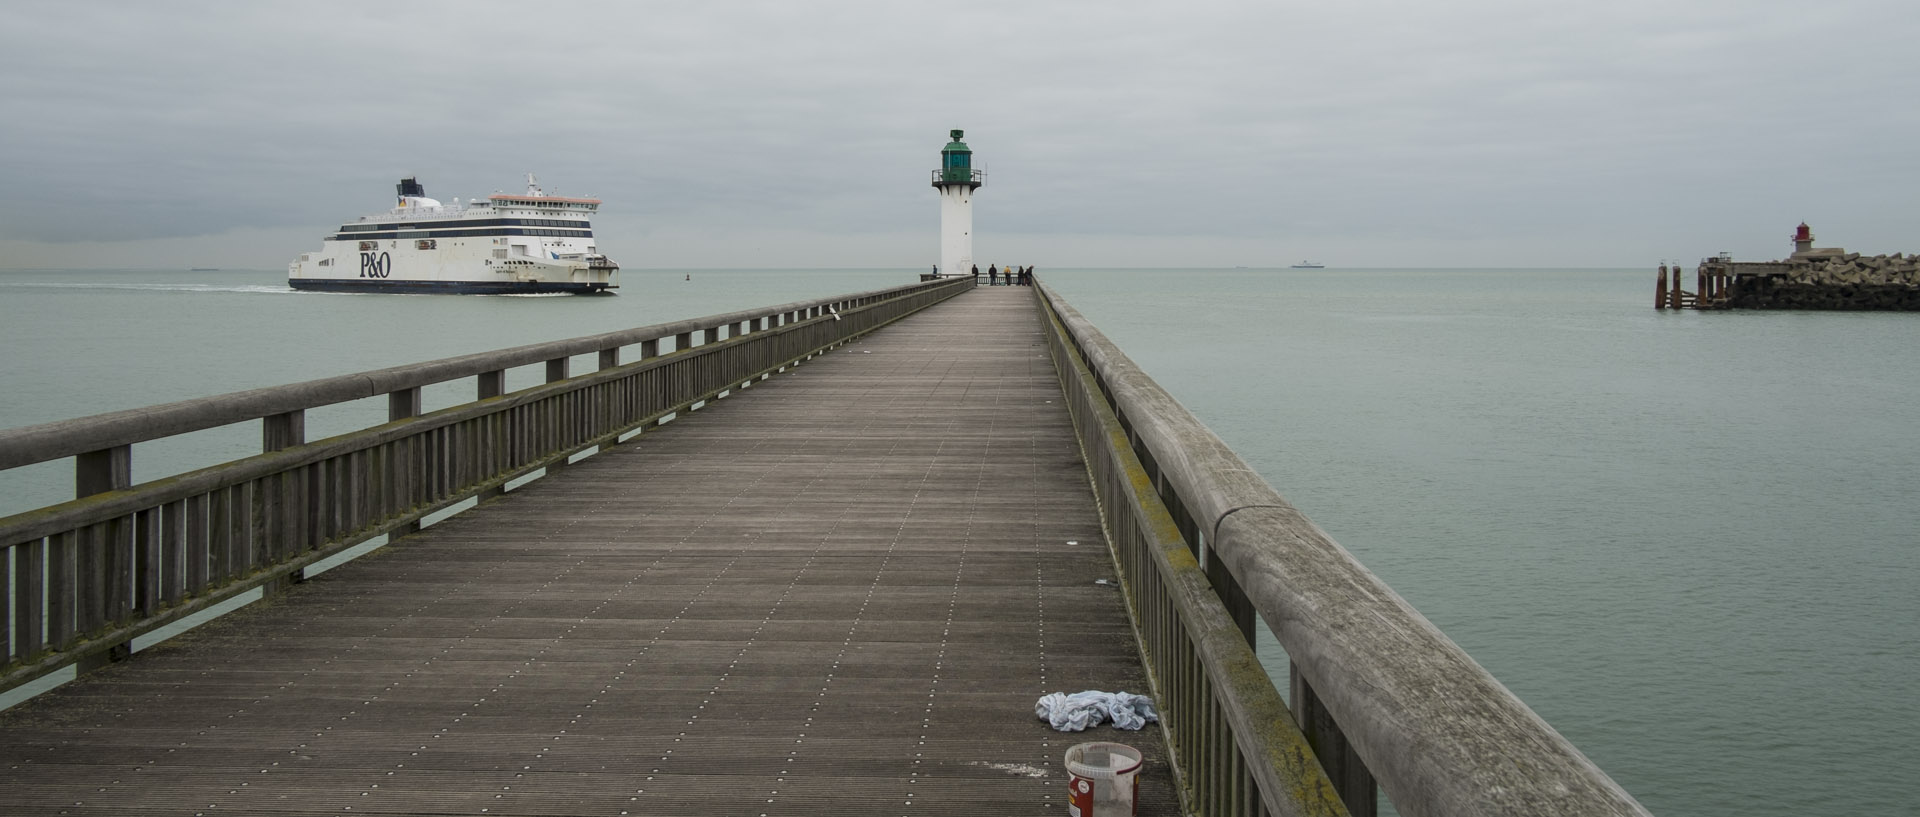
(1115, 133)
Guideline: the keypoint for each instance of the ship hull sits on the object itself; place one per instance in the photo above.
(451, 287)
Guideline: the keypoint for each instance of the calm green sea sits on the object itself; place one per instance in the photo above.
(1690, 541)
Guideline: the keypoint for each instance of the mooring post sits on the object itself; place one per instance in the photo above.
(1660, 290)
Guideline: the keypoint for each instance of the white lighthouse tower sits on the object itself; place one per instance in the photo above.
(956, 180)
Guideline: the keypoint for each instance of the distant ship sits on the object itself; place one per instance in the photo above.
(507, 245)
(1309, 265)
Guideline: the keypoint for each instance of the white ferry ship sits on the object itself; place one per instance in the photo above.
(507, 244)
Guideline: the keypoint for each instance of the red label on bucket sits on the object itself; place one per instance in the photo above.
(1079, 796)
(1102, 780)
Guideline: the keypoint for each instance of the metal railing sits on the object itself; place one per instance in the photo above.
(973, 177)
(1207, 548)
(87, 576)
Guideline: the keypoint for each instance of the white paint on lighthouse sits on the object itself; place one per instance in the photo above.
(956, 230)
(956, 180)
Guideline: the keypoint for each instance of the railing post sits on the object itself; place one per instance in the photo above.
(488, 385)
(491, 384)
(403, 404)
(554, 415)
(1344, 768)
(96, 571)
(401, 474)
(282, 431)
(29, 597)
(283, 498)
(604, 408)
(97, 472)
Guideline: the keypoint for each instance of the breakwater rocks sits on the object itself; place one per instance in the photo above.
(1848, 281)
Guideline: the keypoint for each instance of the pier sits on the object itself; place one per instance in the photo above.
(816, 558)
(1826, 278)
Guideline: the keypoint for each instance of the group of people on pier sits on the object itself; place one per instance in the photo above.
(1016, 276)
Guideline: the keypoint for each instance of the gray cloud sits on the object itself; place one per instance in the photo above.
(801, 134)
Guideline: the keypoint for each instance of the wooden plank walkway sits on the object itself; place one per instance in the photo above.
(838, 591)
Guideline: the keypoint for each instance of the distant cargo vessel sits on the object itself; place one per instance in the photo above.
(1309, 265)
(506, 245)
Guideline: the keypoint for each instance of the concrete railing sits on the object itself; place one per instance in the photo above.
(1207, 547)
(86, 577)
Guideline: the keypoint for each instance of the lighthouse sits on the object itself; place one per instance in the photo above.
(956, 180)
(1802, 239)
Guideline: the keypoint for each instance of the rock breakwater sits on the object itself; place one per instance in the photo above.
(1849, 281)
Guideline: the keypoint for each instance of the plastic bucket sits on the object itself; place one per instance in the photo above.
(1103, 780)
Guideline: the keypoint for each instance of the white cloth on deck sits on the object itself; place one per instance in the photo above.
(1076, 712)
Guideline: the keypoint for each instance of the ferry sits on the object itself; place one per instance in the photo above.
(1309, 265)
(508, 244)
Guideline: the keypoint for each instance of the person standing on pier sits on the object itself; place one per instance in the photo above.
(993, 275)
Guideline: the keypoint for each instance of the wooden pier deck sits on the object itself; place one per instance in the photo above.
(838, 591)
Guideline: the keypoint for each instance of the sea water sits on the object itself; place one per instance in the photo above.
(1687, 540)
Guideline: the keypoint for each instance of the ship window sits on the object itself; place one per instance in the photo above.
(326, 262)
(369, 245)
(425, 244)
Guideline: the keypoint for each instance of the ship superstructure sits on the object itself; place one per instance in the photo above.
(505, 244)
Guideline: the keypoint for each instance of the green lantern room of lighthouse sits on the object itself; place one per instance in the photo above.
(956, 163)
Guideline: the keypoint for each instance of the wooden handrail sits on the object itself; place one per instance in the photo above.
(1442, 736)
(27, 445)
(88, 575)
